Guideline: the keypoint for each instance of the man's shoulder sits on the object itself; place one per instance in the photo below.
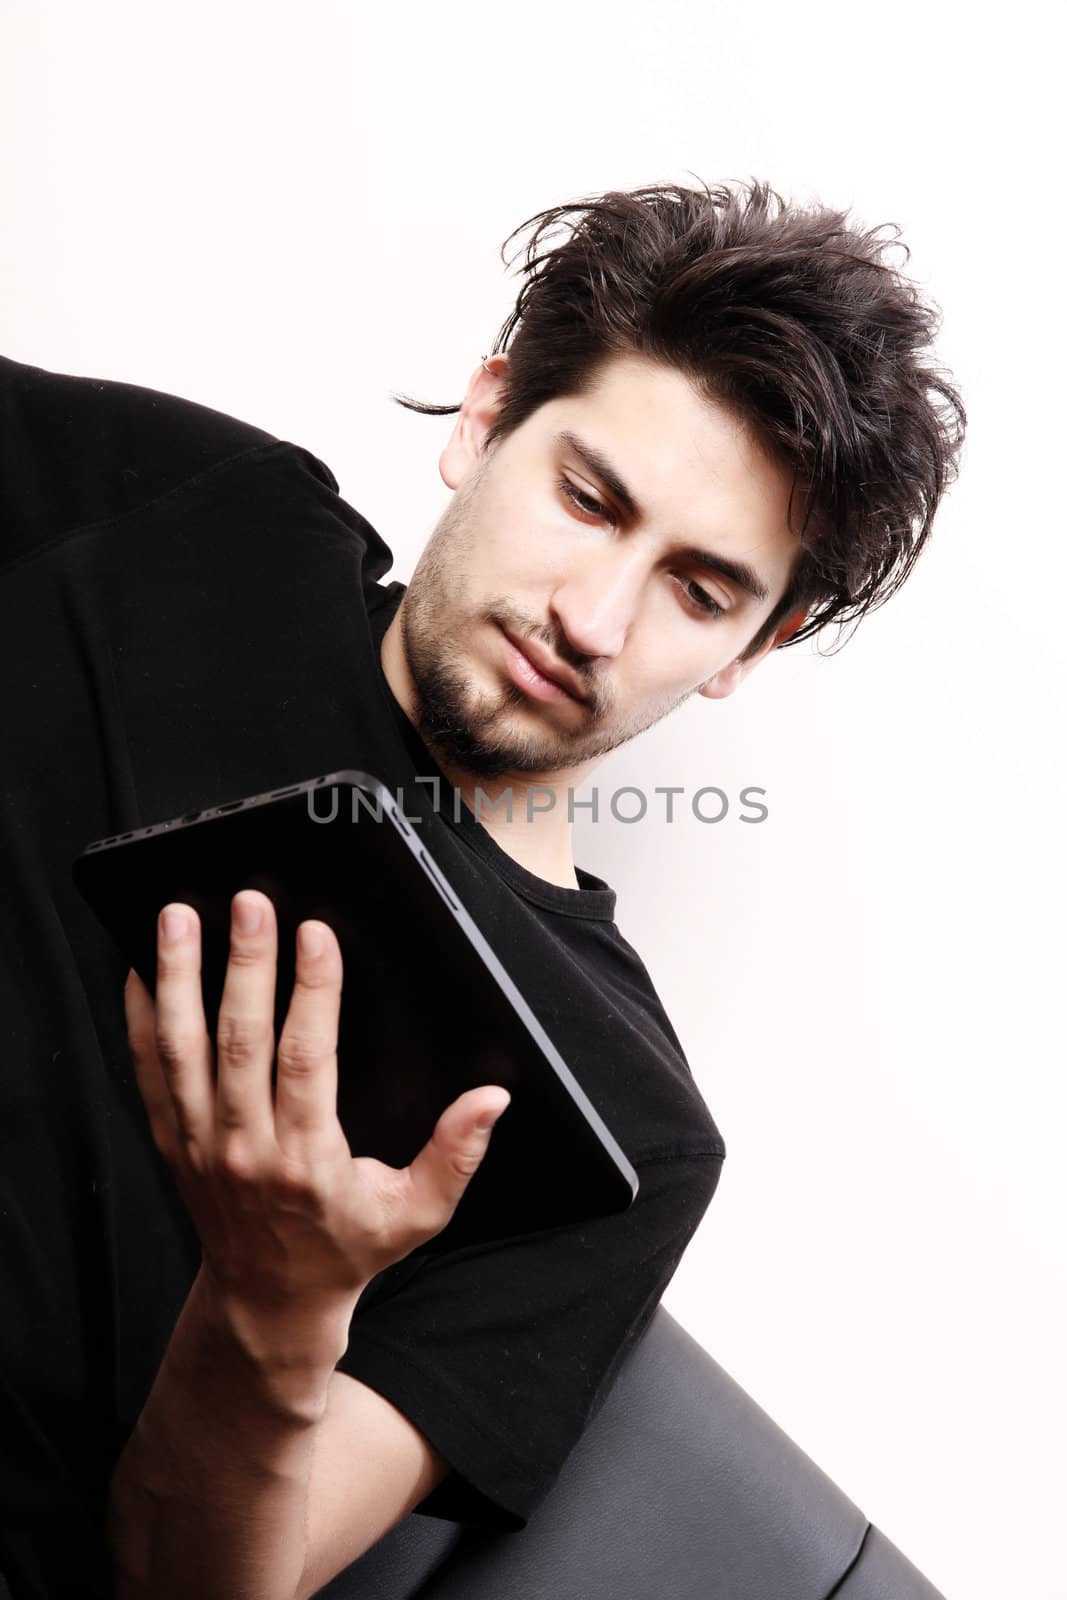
(75, 450)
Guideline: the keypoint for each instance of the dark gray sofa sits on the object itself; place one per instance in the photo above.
(681, 1488)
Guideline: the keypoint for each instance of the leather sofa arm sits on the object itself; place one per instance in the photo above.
(681, 1488)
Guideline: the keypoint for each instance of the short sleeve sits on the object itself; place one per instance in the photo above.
(501, 1353)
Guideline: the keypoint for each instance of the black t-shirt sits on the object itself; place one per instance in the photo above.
(190, 613)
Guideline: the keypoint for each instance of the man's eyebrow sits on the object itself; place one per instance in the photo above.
(738, 572)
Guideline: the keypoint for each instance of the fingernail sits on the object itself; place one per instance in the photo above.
(173, 924)
(311, 941)
(248, 915)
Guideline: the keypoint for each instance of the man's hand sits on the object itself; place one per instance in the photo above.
(212, 1492)
(292, 1227)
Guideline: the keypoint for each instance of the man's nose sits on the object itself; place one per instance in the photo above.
(596, 603)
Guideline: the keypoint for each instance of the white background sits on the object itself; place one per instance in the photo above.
(287, 213)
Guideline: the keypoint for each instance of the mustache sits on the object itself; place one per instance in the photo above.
(510, 621)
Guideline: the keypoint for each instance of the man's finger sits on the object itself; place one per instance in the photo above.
(148, 1071)
(181, 1033)
(305, 1103)
(244, 1038)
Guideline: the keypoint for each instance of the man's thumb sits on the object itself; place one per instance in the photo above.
(489, 1115)
(448, 1161)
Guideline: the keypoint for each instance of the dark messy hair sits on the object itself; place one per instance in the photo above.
(787, 315)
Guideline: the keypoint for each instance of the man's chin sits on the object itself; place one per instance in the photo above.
(479, 758)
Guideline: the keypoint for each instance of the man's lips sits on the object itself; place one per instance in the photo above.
(546, 669)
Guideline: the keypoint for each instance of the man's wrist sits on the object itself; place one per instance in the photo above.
(286, 1353)
(224, 1443)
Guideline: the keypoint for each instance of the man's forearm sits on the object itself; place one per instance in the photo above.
(210, 1494)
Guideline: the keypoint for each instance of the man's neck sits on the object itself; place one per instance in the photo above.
(527, 818)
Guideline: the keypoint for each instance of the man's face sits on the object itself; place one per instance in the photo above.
(538, 548)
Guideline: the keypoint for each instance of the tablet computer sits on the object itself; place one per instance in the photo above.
(428, 1009)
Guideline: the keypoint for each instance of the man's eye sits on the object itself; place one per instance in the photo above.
(703, 599)
(595, 508)
(584, 502)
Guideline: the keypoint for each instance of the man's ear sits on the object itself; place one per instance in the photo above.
(730, 677)
(481, 403)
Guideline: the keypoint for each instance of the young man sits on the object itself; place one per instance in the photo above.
(712, 432)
